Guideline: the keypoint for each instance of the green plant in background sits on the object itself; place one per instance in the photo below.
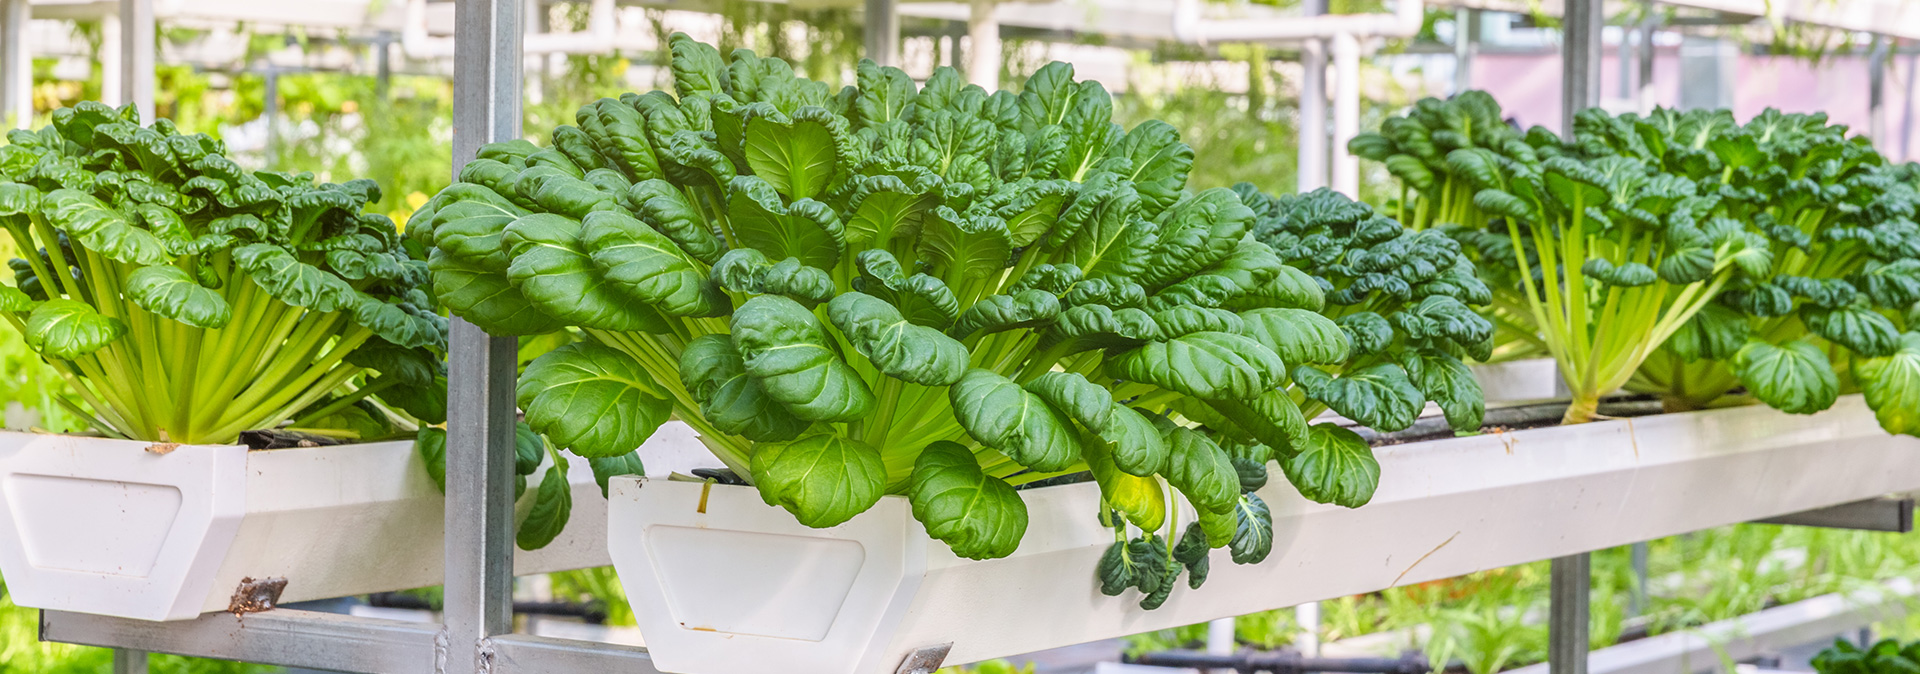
(187, 300)
(1841, 267)
(1403, 299)
(1759, 248)
(1017, 288)
(1885, 657)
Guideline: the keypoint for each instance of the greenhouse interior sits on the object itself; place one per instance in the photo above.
(1370, 336)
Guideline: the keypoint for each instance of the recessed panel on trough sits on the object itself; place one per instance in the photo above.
(91, 526)
(760, 584)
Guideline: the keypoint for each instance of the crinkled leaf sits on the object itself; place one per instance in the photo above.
(979, 516)
(592, 400)
(1000, 414)
(1336, 467)
(171, 292)
(786, 348)
(1794, 377)
(68, 329)
(823, 479)
(911, 353)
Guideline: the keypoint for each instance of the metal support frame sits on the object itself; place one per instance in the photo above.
(1891, 514)
(480, 376)
(1570, 589)
(1572, 576)
(1312, 169)
(137, 51)
(1645, 99)
(1877, 91)
(129, 661)
(1346, 114)
(883, 32)
(1466, 36)
(1283, 662)
(17, 61)
(282, 637)
(983, 48)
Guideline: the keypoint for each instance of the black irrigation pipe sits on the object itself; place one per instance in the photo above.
(1282, 662)
(592, 613)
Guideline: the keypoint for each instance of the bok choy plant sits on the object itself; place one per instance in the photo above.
(939, 292)
(1843, 270)
(188, 300)
(1681, 253)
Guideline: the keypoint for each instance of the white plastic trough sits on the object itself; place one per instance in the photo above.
(740, 588)
(105, 527)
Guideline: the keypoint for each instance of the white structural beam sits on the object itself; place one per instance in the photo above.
(1313, 108)
(883, 32)
(137, 48)
(1346, 113)
(17, 61)
(983, 49)
(1188, 21)
(110, 41)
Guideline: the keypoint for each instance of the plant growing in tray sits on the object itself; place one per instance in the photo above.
(187, 300)
(1778, 257)
(939, 292)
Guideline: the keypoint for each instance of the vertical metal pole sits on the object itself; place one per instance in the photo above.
(1220, 640)
(1465, 26)
(1346, 114)
(983, 54)
(1567, 614)
(136, 56)
(129, 662)
(1572, 576)
(1637, 598)
(883, 32)
(480, 377)
(17, 61)
(1906, 111)
(1313, 107)
(1877, 93)
(383, 64)
(1580, 60)
(270, 111)
(1313, 116)
(1623, 57)
(110, 60)
(1647, 26)
(1308, 616)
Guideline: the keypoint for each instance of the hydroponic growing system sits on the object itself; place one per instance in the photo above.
(904, 318)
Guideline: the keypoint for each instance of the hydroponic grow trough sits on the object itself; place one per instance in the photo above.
(722, 583)
(108, 527)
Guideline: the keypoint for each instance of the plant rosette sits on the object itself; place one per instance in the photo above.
(187, 300)
(942, 293)
(1680, 253)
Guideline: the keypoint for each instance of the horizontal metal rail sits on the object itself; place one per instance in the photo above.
(1282, 662)
(1705, 648)
(520, 653)
(282, 637)
(1887, 513)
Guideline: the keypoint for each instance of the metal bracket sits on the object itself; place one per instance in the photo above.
(1887, 513)
(925, 660)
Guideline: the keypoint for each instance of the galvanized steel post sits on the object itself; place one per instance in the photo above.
(1572, 576)
(480, 376)
(883, 32)
(137, 50)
